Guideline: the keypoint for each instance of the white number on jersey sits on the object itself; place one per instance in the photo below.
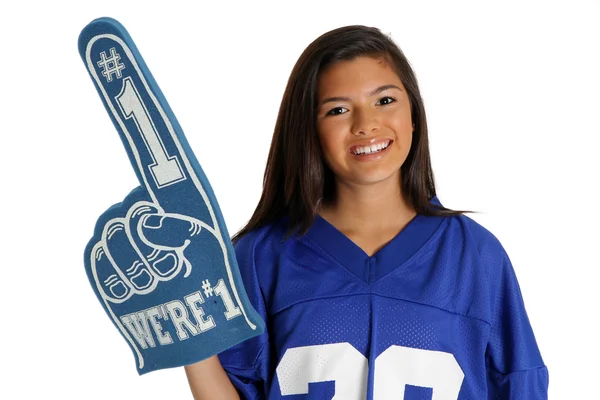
(338, 362)
(395, 368)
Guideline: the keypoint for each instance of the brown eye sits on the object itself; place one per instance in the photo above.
(333, 111)
(387, 100)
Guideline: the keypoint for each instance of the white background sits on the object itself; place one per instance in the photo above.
(512, 96)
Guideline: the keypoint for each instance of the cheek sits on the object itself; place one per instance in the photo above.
(405, 141)
(402, 127)
(332, 143)
(400, 121)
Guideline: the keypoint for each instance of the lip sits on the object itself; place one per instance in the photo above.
(372, 156)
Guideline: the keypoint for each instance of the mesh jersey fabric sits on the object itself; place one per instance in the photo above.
(438, 310)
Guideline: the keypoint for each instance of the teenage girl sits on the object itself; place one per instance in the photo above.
(369, 287)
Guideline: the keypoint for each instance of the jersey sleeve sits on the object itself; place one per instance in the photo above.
(246, 363)
(515, 366)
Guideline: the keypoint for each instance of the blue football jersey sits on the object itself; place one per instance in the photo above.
(435, 314)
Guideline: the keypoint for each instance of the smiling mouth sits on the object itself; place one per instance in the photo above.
(370, 149)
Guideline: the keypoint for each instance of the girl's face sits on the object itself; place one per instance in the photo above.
(363, 121)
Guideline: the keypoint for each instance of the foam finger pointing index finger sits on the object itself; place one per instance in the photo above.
(139, 112)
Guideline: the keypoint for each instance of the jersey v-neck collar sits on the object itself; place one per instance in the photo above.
(370, 268)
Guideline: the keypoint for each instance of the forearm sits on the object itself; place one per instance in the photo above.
(208, 380)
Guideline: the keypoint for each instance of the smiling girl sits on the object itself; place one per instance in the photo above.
(369, 287)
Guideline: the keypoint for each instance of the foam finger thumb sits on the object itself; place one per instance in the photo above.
(167, 231)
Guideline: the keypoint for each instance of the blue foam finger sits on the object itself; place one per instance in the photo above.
(175, 294)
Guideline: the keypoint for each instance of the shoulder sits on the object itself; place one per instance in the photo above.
(469, 253)
(464, 233)
(475, 237)
(489, 258)
(262, 242)
(480, 253)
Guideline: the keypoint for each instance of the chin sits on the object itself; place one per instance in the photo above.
(376, 177)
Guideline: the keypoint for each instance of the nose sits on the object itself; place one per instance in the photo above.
(365, 122)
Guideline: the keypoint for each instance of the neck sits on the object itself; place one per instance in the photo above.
(369, 208)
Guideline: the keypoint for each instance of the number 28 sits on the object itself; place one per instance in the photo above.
(395, 368)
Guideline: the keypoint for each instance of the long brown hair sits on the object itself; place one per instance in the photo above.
(296, 178)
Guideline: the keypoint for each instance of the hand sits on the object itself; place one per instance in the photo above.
(160, 262)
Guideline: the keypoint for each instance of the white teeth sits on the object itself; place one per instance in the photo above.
(372, 148)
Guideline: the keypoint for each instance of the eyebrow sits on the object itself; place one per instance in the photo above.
(373, 93)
